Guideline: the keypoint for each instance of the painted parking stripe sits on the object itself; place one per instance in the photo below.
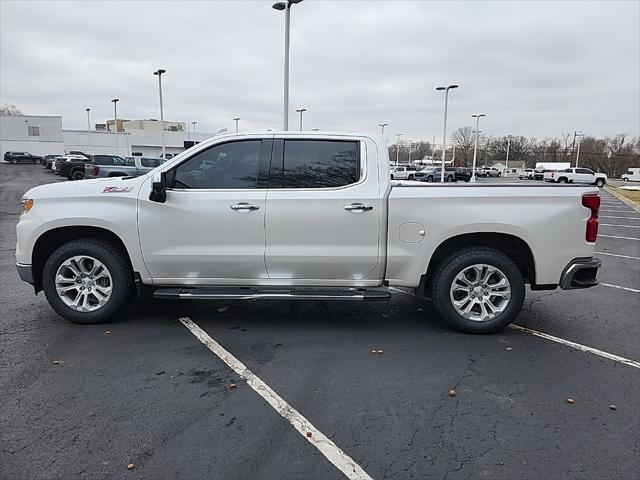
(612, 216)
(578, 346)
(628, 289)
(616, 210)
(623, 226)
(315, 437)
(622, 238)
(618, 255)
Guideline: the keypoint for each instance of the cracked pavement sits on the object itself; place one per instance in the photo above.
(149, 393)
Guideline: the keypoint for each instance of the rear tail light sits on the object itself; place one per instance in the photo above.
(592, 202)
(96, 170)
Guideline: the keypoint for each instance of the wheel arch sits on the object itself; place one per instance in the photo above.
(511, 245)
(50, 240)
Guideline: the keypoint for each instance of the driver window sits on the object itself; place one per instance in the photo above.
(232, 165)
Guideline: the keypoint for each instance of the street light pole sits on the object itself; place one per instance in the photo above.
(444, 133)
(301, 111)
(506, 162)
(475, 145)
(88, 129)
(410, 148)
(115, 120)
(580, 134)
(382, 125)
(398, 148)
(159, 73)
(237, 119)
(286, 6)
(194, 131)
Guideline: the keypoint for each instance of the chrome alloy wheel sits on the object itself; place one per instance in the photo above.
(83, 283)
(480, 292)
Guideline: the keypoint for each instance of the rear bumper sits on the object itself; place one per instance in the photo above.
(25, 273)
(580, 273)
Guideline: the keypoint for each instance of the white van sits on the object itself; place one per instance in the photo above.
(632, 175)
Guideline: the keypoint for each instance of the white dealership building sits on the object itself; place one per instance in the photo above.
(44, 135)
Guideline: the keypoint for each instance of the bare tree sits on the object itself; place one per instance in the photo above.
(8, 110)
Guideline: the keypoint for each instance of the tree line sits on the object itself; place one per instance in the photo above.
(610, 155)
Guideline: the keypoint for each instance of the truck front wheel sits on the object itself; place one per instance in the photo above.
(478, 290)
(88, 281)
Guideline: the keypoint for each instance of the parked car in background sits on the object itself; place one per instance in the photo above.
(112, 166)
(48, 159)
(428, 174)
(539, 174)
(577, 175)
(402, 172)
(488, 172)
(70, 166)
(527, 174)
(451, 174)
(21, 157)
(632, 175)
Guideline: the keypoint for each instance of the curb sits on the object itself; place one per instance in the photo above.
(631, 203)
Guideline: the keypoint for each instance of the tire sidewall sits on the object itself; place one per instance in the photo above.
(120, 277)
(463, 259)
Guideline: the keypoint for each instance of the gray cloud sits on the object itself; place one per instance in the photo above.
(535, 68)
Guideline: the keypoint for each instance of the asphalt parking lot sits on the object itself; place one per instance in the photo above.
(146, 391)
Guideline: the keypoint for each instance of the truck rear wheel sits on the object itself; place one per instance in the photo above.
(478, 290)
(600, 183)
(88, 281)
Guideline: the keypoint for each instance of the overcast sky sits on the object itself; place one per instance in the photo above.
(536, 68)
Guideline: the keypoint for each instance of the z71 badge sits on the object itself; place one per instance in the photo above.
(116, 189)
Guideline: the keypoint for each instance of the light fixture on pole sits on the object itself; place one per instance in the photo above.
(506, 162)
(444, 134)
(579, 134)
(115, 120)
(159, 73)
(398, 148)
(301, 111)
(475, 145)
(237, 119)
(382, 125)
(286, 6)
(88, 129)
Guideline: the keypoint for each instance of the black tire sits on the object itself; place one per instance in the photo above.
(562, 180)
(115, 260)
(392, 176)
(600, 183)
(410, 177)
(76, 175)
(499, 174)
(430, 179)
(449, 179)
(457, 262)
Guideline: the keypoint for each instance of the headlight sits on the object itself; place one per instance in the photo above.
(27, 205)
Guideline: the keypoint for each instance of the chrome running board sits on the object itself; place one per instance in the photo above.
(209, 293)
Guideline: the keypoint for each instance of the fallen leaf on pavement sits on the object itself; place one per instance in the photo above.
(509, 349)
(571, 401)
(131, 466)
(107, 332)
(233, 385)
(223, 309)
(380, 352)
(612, 407)
(452, 392)
(57, 362)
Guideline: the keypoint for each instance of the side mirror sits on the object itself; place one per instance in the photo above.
(159, 188)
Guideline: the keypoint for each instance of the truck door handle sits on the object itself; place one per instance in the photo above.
(357, 208)
(244, 206)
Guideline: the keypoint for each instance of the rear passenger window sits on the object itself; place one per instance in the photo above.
(150, 162)
(319, 163)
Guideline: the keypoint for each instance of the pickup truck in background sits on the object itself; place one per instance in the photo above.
(111, 166)
(403, 172)
(70, 166)
(303, 215)
(577, 175)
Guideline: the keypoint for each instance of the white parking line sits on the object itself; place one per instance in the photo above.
(611, 216)
(583, 348)
(623, 226)
(616, 210)
(620, 288)
(315, 437)
(618, 255)
(622, 238)
(577, 346)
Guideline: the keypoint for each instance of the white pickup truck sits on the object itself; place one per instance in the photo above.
(303, 215)
(576, 175)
